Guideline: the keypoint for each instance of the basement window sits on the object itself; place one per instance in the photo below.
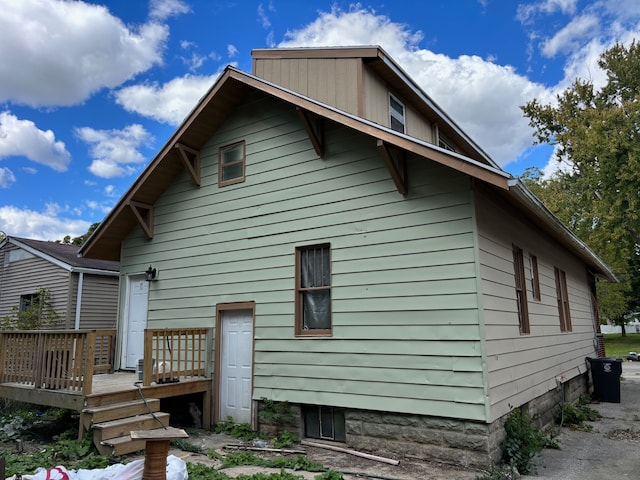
(325, 423)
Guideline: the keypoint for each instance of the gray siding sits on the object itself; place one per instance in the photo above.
(522, 367)
(26, 276)
(406, 335)
(99, 302)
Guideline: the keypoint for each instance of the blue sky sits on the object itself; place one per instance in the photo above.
(90, 91)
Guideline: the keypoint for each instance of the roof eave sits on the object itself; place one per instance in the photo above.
(536, 207)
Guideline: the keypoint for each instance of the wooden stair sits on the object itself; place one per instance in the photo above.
(112, 424)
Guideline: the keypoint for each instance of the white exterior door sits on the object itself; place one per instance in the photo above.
(236, 365)
(135, 321)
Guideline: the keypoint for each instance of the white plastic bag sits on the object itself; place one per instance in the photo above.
(176, 470)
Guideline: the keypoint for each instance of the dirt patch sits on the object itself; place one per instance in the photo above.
(351, 466)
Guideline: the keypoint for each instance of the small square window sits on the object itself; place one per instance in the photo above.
(313, 290)
(29, 301)
(231, 167)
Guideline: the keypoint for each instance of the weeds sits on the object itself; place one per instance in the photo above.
(241, 431)
(574, 415)
(523, 443)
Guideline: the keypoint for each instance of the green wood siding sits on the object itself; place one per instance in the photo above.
(405, 337)
(522, 367)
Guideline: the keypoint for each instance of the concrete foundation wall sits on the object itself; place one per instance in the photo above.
(446, 440)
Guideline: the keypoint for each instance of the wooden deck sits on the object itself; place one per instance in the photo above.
(75, 369)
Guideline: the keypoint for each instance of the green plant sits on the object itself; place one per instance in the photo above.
(276, 413)
(523, 442)
(241, 431)
(34, 313)
(198, 471)
(284, 439)
(574, 415)
(186, 446)
(300, 462)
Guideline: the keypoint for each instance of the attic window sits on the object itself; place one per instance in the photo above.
(446, 144)
(396, 114)
(231, 167)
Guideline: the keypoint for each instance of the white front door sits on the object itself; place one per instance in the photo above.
(236, 365)
(135, 321)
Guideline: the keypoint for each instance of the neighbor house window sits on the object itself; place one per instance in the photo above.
(521, 291)
(326, 423)
(231, 167)
(313, 290)
(535, 278)
(28, 301)
(396, 113)
(563, 300)
(446, 144)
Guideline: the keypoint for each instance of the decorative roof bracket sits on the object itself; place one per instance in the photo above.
(397, 165)
(313, 126)
(191, 159)
(144, 215)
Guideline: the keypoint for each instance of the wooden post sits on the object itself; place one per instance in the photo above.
(147, 367)
(88, 359)
(156, 450)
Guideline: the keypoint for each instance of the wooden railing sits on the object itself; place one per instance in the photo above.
(55, 359)
(174, 354)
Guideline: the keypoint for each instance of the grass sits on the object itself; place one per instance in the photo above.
(617, 346)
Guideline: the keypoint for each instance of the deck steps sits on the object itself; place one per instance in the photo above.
(112, 423)
(115, 411)
(112, 437)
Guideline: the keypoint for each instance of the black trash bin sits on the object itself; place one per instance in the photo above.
(605, 373)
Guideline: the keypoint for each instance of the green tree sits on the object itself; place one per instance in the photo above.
(34, 313)
(596, 134)
(79, 241)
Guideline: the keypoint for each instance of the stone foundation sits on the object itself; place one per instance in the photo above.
(445, 440)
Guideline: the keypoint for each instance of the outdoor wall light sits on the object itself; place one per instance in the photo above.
(150, 274)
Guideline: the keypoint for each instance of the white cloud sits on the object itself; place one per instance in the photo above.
(23, 138)
(573, 35)
(39, 225)
(169, 103)
(232, 51)
(163, 9)
(115, 153)
(59, 52)
(482, 97)
(7, 178)
(526, 11)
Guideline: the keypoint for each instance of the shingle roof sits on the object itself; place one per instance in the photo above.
(67, 254)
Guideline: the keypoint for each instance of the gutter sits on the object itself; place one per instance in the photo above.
(522, 194)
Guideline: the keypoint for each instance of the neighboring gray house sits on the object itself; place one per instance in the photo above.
(358, 256)
(84, 291)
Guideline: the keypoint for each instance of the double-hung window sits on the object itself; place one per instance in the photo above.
(396, 114)
(313, 290)
(231, 164)
(521, 290)
(563, 300)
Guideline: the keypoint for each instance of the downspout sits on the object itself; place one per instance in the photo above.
(79, 300)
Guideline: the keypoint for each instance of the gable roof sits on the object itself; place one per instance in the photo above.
(229, 90)
(379, 61)
(65, 256)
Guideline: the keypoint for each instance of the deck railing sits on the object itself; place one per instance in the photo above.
(55, 359)
(174, 354)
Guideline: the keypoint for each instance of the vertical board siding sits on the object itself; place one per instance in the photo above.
(406, 335)
(522, 367)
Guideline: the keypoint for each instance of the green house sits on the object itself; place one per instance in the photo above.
(356, 255)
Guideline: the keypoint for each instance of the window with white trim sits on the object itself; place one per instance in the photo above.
(231, 167)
